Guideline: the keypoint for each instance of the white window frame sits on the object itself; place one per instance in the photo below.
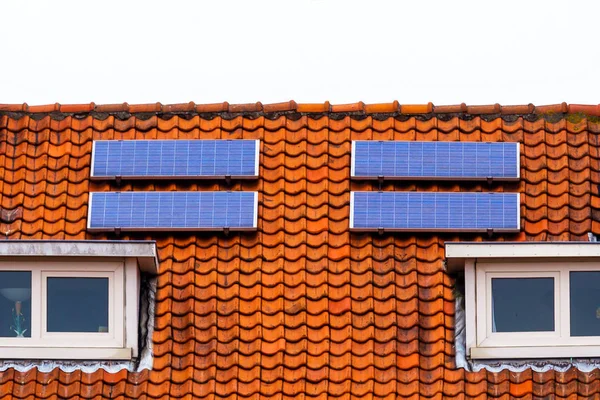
(485, 337)
(482, 343)
(132, 256)
(514, 258)
(115, 335)
(120, 342)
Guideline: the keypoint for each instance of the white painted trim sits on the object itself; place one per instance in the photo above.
(480, 305)
(112, 338)
(470, 305)
(65, 353)
(144, 251)
(93, 159)
(132, 285)
(458, 252)
(518, 210)
(518, 144)
(522, 249)
(353, 159)
(89, 213)
(257, 160)
(36, 302)
(545, 352)
(351, 210)
(491, 339)
(255, 222)
(564, 320)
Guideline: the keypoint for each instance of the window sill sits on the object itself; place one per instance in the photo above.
(65, 353)
(547, 352)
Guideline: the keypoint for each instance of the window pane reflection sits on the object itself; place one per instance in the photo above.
(522, 304)
(15, 304)
(585, 303)
(77, 304)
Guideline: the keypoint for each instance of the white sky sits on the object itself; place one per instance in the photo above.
(447, 52)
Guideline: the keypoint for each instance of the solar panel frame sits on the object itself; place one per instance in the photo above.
(91, 228)
(96, 177)
(514, 178)
(517, 227)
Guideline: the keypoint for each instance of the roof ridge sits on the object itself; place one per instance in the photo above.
(308, 108)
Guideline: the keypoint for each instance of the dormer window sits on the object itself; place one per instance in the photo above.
(71, 300)
(530, 300)
(62, 304)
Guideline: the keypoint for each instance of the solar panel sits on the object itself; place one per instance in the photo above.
(434, 211)
(172, 211)
(168, 159)
(403, 160)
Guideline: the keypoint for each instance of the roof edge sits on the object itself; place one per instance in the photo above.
(305, 108)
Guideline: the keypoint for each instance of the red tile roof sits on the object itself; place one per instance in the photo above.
(303, 307)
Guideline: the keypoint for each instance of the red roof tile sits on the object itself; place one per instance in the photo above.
(302, 307)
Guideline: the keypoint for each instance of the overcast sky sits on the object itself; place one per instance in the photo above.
(446, 52)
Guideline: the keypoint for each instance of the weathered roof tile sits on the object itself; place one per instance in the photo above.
(302, 307)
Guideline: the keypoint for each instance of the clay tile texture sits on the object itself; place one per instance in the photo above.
(302, 308)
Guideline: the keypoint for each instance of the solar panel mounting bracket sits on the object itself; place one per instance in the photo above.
(228, 179)
(380, 179)
(226, 231)
(490, 180)
(380, 231)
(490, 232)
(118, 231)
(118, 180)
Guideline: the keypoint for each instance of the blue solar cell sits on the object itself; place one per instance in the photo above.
(144, 211)
(431, 211)
(175, 158)
(435, 160)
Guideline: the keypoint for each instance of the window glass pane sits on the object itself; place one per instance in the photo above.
(522, 304)
(585, 303)
(15, 304)
(77, 304)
